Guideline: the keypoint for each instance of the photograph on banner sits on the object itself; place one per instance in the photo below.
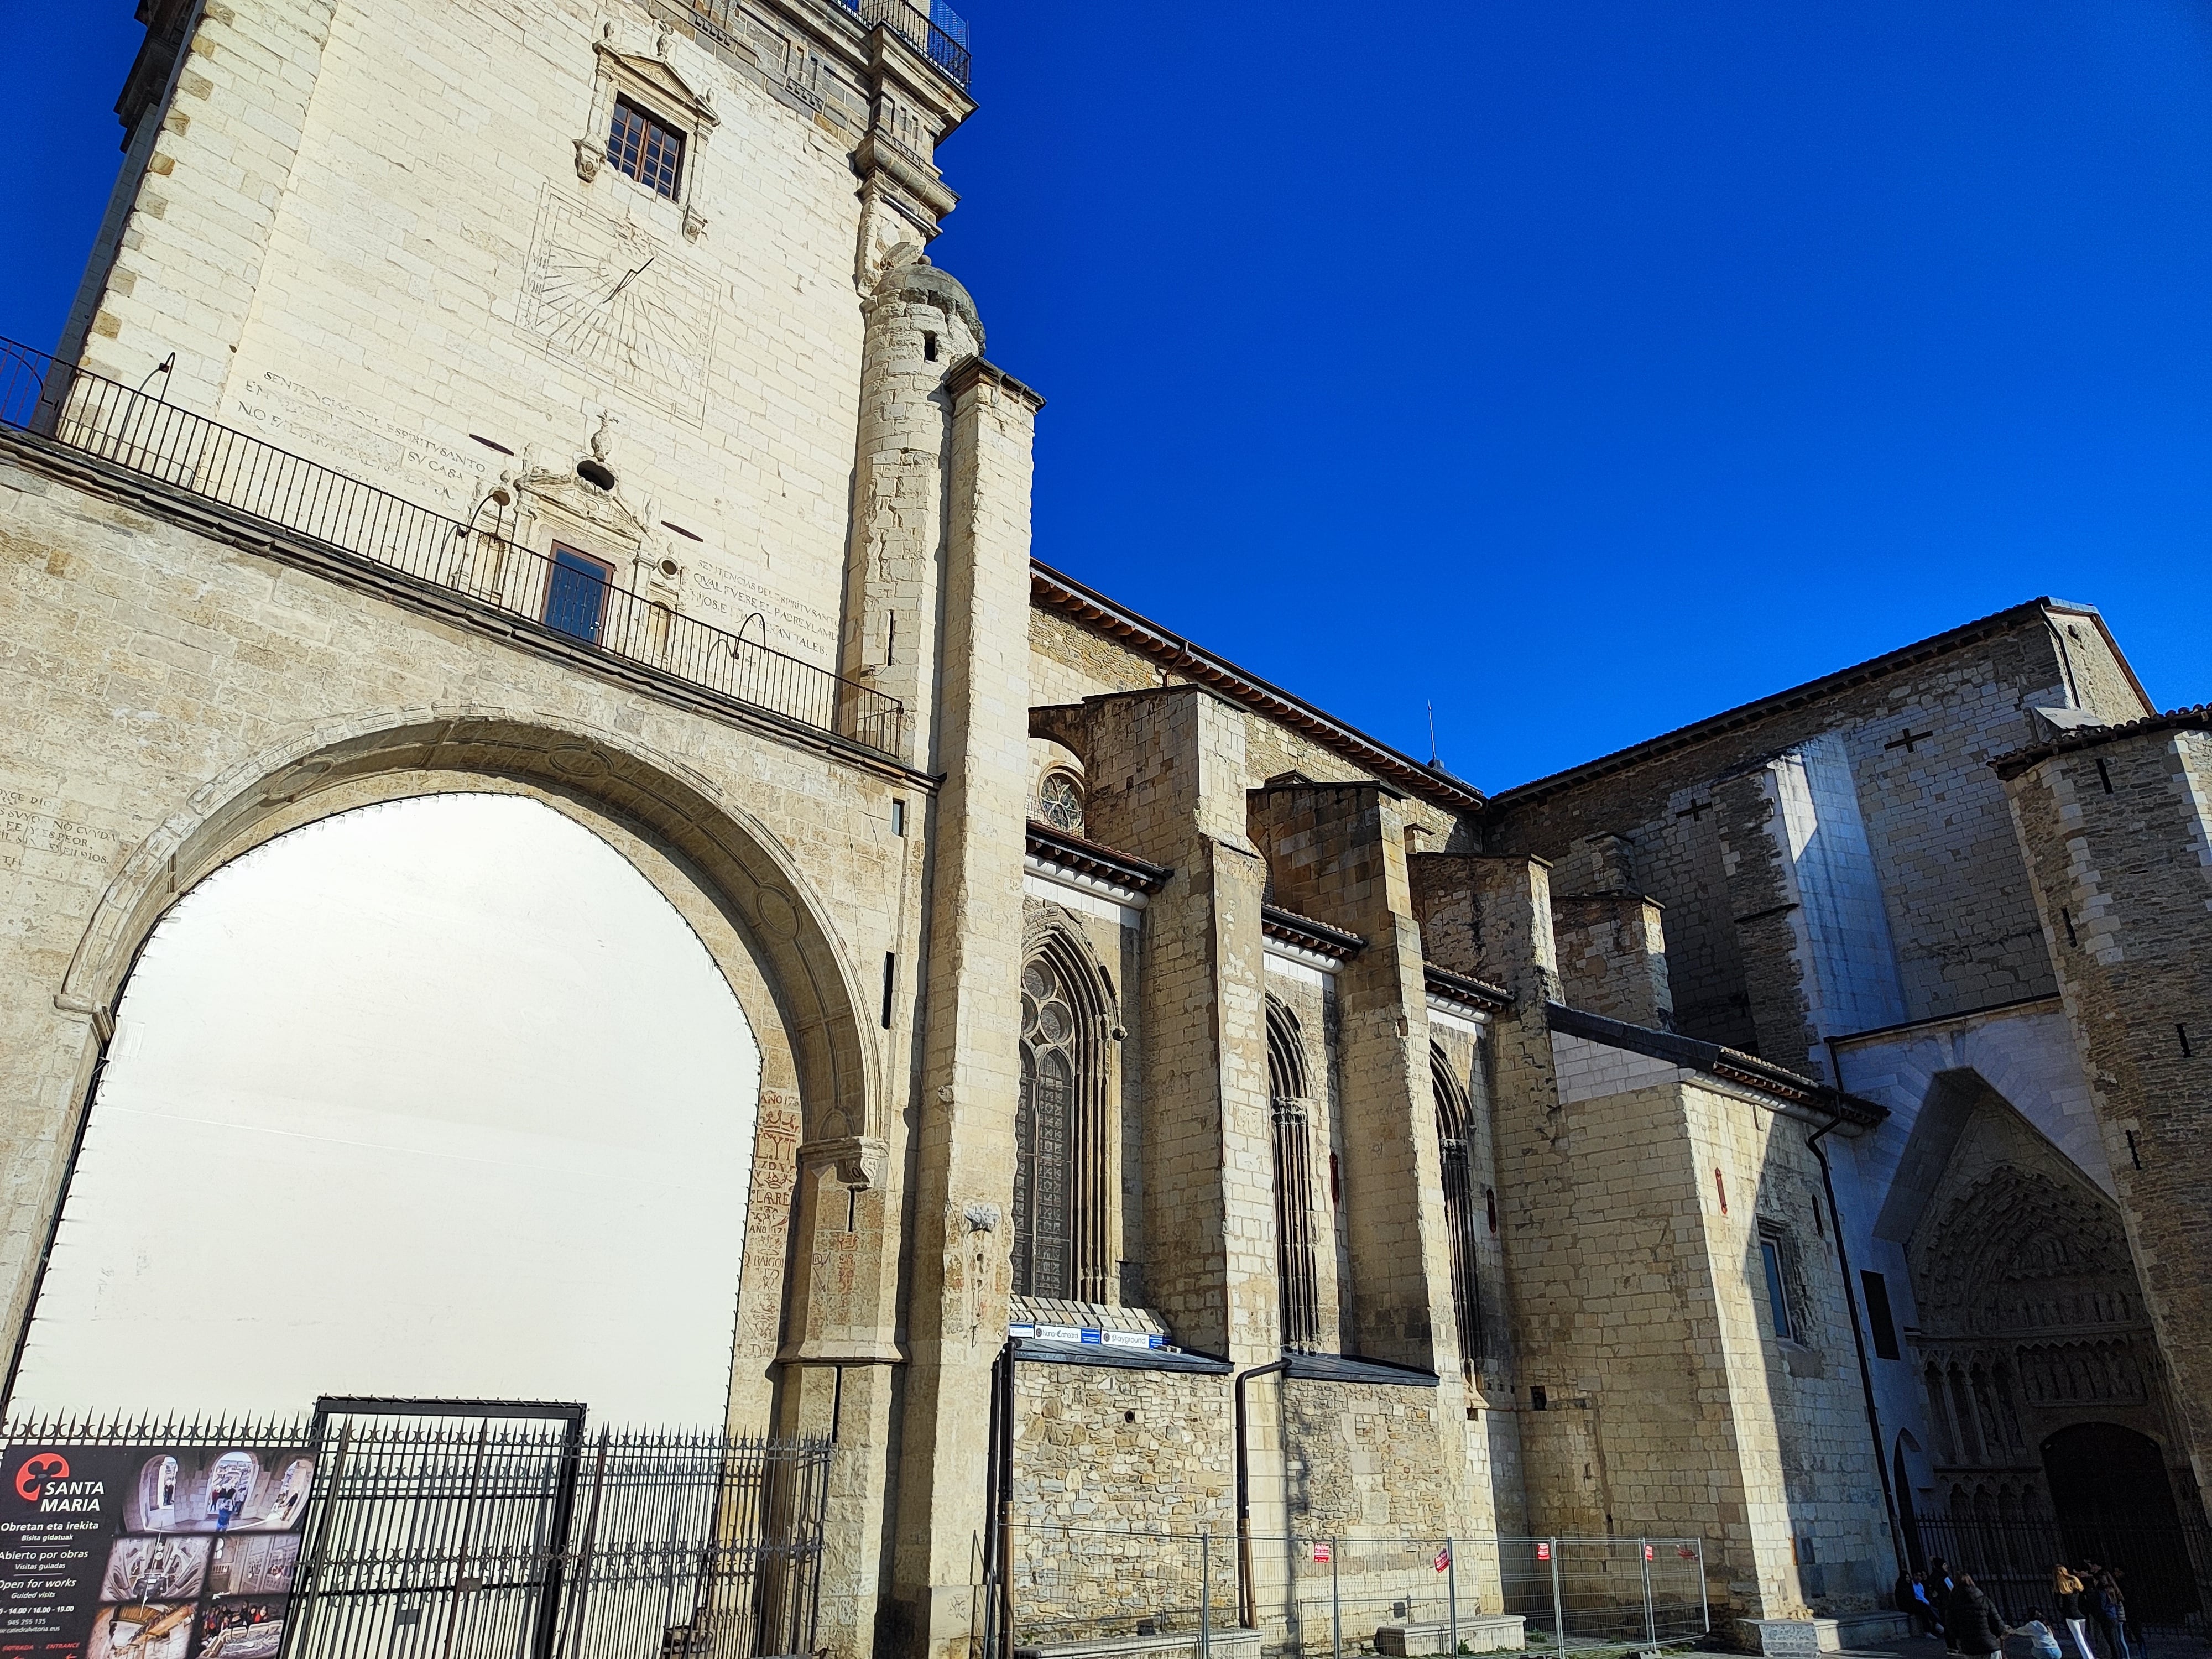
(168, 1569)
(248, 1628)
(240, 1491)
(142, 1630)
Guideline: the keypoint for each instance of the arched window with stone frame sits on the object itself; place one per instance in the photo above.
(1290, 1102)
(1062, 1220)
(1463, 1222)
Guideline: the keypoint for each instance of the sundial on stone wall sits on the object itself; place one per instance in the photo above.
(611, 295)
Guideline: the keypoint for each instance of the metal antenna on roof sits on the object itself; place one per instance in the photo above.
(1432, 733)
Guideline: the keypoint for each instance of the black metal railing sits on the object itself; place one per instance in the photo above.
(2165, 1565)
(483, 1536)
(932, 28)
(578, 601)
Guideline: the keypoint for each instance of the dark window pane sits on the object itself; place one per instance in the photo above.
(1772, 1252)
(648, 150)
(1879, 1315)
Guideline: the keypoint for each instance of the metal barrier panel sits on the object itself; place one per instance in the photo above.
(1332, 1595)
(1076, 1583)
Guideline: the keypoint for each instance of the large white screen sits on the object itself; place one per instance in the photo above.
(436, 1099)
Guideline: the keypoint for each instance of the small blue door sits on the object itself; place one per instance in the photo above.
(576, 594)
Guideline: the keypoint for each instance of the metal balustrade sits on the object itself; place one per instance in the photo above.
(568, 601)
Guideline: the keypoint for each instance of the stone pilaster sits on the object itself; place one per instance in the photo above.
(962, 1189)
(1612, 957)
(1337, 853)
(2117, 836)
(1166, 770)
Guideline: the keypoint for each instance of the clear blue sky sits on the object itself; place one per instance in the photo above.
(1582, 368)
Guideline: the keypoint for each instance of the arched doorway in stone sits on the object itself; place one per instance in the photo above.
(2114, 1504)
(439, 1096)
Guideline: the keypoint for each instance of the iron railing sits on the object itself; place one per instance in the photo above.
(933, 29)
(476, 1537)
(930, 26)
(565, 598)
(2165, 1565)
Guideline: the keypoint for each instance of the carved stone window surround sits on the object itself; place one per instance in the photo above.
(654, 85)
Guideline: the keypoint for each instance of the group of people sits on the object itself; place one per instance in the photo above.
(1953, 1606)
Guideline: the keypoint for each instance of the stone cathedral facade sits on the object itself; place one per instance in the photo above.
(1778, 1133)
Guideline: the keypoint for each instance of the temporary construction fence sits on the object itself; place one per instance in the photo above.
(1311, 1596)
(425, 1530)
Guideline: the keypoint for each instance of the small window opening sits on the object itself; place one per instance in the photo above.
(1879, 1315)
(898, 818)
(646, 148)
(929, 347)
(2104, 777)
(1490, 1203)
(1778, 1289)
(596, 473)
(1537, 1399)
(1060, 802)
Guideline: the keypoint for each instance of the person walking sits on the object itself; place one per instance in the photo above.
(1975, 1620)
(1942, 1590)
(2101, 1596)
(2066, 1590)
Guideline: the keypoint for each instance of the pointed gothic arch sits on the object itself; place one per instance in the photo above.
(1290, 1101)
(1063, 1221)
(1462, 1226)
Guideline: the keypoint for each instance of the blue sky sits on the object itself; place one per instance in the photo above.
(1581, 367)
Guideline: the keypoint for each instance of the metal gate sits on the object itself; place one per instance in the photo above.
(426, 1529)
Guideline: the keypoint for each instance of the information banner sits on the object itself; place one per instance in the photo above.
(149, 1551)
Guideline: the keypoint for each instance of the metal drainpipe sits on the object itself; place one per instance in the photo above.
(1858, 1342)
(1246, 1616)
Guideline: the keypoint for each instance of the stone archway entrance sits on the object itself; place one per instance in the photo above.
(436, 1097)
(2112, 1504)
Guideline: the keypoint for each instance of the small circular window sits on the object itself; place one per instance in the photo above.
(1060, 802)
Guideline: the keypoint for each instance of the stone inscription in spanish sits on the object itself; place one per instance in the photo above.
(33, 825)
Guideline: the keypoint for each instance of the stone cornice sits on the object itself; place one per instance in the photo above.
(1695, 1054)
(978, 371)
(1058, 849)
(1448, 987)
(2196, 719)
(1313, 938)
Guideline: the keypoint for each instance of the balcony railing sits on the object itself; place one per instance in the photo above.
(578, 602)
(931, 28)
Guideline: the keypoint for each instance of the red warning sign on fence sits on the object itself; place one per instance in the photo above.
(1444, 1558)
(1647, 1552)
(1543, 1552)
(1320, 1552)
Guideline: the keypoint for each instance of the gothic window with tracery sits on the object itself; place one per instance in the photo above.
(1454, 1134)
(1060, 802)
(1061, 1231)
(1297, 1271)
